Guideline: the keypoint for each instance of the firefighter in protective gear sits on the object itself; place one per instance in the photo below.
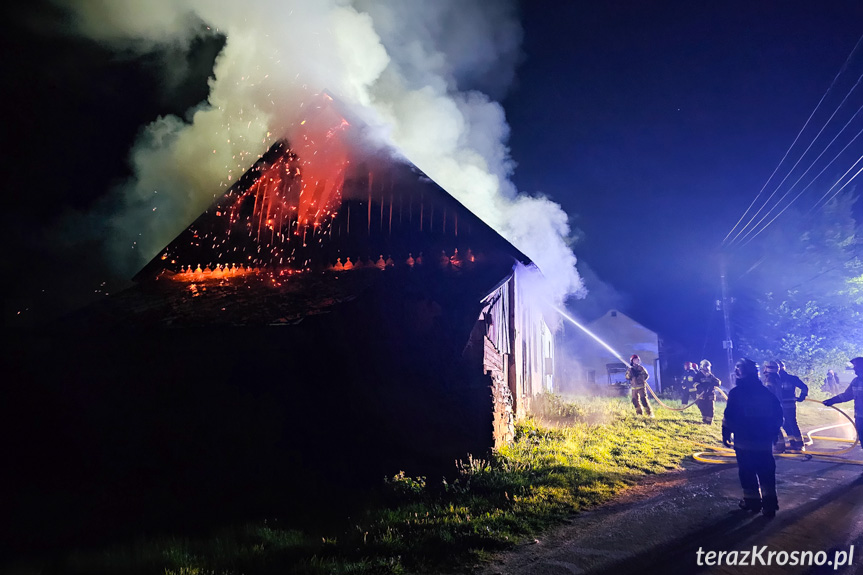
(786, 391)
(705, 386)
(831, 382)
(753, 417)
(689, 373)
(637, 377)
(855, 392)
(770, 379)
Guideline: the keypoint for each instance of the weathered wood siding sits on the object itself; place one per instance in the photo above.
(518, 350)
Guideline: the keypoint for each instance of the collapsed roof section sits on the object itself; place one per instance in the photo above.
(328, 199)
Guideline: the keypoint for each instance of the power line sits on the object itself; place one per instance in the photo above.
(836, 184)
(827, 166)
(809, 147)
(841, 70)
(818, 275)
(802, 176)
(760, 261)
(848, 182)
(808, 185)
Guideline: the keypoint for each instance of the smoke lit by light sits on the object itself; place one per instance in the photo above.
(413, 81)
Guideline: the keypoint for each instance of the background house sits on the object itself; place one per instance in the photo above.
(590, 365)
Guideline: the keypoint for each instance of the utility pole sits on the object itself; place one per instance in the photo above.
(726, 343)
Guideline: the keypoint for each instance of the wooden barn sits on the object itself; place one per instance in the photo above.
(333, 317)
(332, 214)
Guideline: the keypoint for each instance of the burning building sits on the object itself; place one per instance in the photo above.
(334, 316)
(358, 276)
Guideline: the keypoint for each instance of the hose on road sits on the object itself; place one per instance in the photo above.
(716, 454)
(713, 453)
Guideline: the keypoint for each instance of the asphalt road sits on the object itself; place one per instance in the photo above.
(661, 525)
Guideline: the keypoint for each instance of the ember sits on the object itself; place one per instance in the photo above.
(293, 212)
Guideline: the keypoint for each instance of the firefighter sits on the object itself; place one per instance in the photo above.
(855, 392)
(831, 383)
(637, 377)
(705, 385)
(753, 417)
(786, 391)
(770, 379)
(688, 385)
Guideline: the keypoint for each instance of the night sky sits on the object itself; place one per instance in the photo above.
(653, 125)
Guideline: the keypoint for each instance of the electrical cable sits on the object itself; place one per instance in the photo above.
(846, 183)
(810, 183)
(779, 185)
(833, 83)
(818, 275)
(833, 186)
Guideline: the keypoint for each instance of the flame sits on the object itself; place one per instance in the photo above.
(268, 225)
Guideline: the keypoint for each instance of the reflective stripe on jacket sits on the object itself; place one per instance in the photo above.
(637, 376)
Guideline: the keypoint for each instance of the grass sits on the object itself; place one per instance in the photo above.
(574, 454)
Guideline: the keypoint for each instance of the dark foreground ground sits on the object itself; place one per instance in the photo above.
(659, 526)
(113, 435)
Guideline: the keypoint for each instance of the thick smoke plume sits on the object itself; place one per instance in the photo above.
(421, 74)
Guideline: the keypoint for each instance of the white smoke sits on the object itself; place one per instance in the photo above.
(419, 72)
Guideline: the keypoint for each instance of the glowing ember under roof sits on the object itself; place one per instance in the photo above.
(327, 200)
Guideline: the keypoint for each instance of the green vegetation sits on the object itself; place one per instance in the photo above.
(575, 454)
(802, 300)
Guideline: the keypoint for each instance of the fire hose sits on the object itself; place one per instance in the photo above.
(715, 451)
(712, 453)
(727, 452)
(688, 405)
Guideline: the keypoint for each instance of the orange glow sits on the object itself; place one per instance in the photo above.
(280, 218)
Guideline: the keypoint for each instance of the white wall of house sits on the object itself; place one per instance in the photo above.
(624, 335)
(519, 333)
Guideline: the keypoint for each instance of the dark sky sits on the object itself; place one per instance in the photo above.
(656, 124)
(653, 124)
(72, 112)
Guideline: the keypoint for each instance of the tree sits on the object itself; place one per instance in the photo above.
(803, 301)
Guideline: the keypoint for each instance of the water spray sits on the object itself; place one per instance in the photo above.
(590, 333)
(617, 355)
(715, 452)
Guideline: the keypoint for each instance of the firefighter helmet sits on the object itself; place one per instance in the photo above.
(771, 365)
(633, 357)
(857, 363)
(747, 368)
(704, 364)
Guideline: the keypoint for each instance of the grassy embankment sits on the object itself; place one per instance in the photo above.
(579, 453)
